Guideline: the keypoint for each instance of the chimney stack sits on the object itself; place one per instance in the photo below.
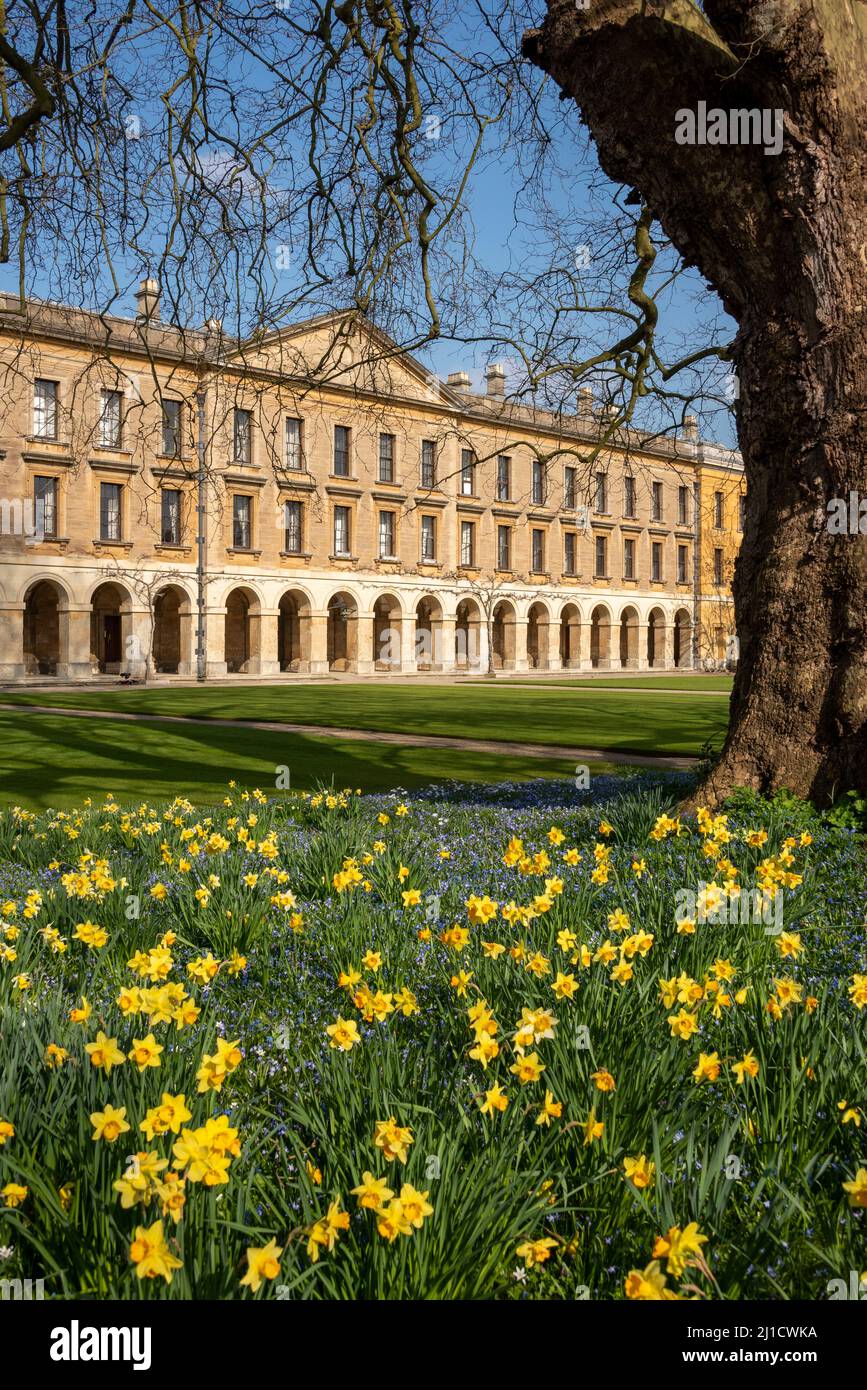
(690, 429)
(459, 381)
(495, 377)
(585, 402)
(147, 298)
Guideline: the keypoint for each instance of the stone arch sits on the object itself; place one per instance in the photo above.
(428, 634)
(342, 632)
(243, 624)
(387, 630)
(171, 644)
(43, 628)
(655, 638)
(570, 637)
(538, 631)
(293, 631)
(468, 627)
(112, 642)
(629, 638)
(682, 638)
(503, 635)
(600, 637)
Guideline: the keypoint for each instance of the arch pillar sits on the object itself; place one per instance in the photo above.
(263, 643)
(319, 642)
(522, 659)
(364, 663)
(215, 651)
(668, 645)
(584, 658)
(407, 644)
(12, 642)
(643, 663)
(76, 663)
(445, 656)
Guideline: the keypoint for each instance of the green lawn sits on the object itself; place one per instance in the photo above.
(609, 720)
(49, 760)
(661, 681)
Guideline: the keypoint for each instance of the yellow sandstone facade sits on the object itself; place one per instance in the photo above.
(180, 503)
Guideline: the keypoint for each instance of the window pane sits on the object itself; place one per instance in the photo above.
(466, 542)
(171, 428)
(629, 496)
(600, 555)
(242, 436)
(45, 409)
(428, 464)
(601, 493)
(171, 517)
(45, 506)
(110, 420)
(428, 538)
(503, 547)
(341, 450)
(467, 473)
(292, 525)
(386, 458)
(293, 442)
(386, 533)
(109, 511)
(241, 512)
(341, 531)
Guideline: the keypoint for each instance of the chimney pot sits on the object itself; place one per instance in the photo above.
(459, 381)
(147, 298)
(495, 377)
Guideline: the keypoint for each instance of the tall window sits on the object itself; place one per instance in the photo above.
(717, 567)
(242, 436)
(342, 535)
(242, 531)
(428, 538)
(170, 525)
(342, 441)
(601, 492)
(110, 422)
(45, 409)
(45, 505)
(718, 510)
(468, 543)
(504, 547)
(468, 473)
(683, 506)
(386, 458)
(110, 511)
(569, 489)
(292, 527)
(570, 558)
(628, 495)
(629, 558)
(656, 561)
(171, 428)
(293, 443)
(537, 548)
(428, 463)
(504, 478)
(601, 557)
(538, 488)
(682, 564)
(742, 511)
(656, 501)
(386, 535)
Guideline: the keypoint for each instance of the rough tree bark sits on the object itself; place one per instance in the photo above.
(782, 240)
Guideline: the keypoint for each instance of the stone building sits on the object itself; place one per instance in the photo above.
(314, 500)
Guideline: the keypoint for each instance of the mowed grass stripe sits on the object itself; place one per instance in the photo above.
(608, 720)
(52, 760)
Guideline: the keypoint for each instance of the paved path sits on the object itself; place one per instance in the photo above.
(475, 745)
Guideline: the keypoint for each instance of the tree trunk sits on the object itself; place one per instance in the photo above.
(781, 238)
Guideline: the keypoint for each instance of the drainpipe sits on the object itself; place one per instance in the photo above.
(201, 558)
(696, 573)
